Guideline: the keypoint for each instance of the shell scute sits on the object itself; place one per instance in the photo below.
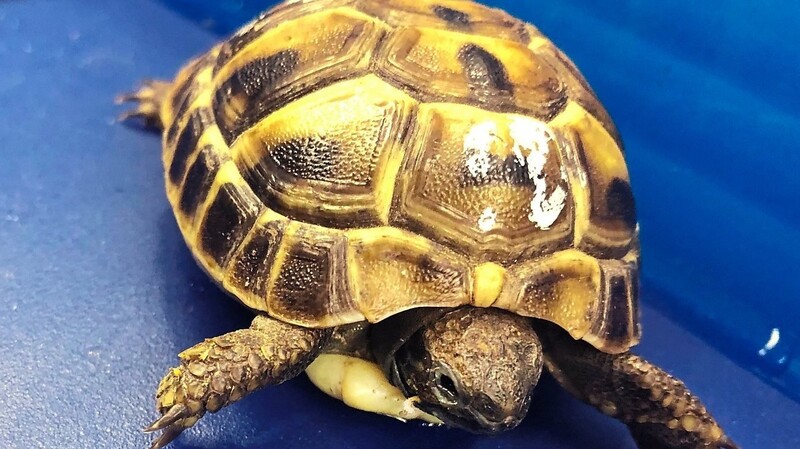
(438, 65)
(486, 181)
(269, 19)
(610, 224)
(199, 179)
(281, 65)
(465, 17)
(615, 319)
(309, 284)
(413, 270)
(329, 158)
(248, 274)
(231, 212)
(560, 288)
(187, 141)
(578, 89)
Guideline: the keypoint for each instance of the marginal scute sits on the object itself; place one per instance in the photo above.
(615, 319)
(454, 17)
(560, 288)
(229, 216)
(620, 202)
(618, 292)
(187, 86)
(186, 143)
(309, 285)
(186, 82)
(248, 273)
(199, 178)
(393, 270)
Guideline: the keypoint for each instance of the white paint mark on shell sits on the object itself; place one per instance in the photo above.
(487, 220)
(532, 144)
(477, 147)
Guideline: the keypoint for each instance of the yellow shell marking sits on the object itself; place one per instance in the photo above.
(488, 281)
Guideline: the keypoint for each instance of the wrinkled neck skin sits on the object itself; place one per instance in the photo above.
(474, 368)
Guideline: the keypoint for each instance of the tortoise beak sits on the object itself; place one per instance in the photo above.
(472, 421)
(489, 427)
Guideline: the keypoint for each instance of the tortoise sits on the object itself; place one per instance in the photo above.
(424, 204)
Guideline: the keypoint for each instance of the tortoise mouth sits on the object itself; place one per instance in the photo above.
(466, 418)
(460, 416)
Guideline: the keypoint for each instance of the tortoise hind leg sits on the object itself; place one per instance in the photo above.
(149, 98)
(659, 410)
(222, 370)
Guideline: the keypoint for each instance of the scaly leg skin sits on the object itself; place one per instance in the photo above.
(659, 410)
(222, 370)
(362, 385)
(149, 98)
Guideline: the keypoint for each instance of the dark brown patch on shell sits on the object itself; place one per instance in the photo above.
(306, 158)
(227, 221)
(199, 179)
(236, 103)
(620, 203)
(485, 73)
(187, 142)
(452, 16)
(251, 267)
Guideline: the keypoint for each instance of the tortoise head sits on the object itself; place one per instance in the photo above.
(474, 368)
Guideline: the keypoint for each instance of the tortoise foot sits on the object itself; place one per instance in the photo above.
(222, 370)
(149, 98)
(659, 409)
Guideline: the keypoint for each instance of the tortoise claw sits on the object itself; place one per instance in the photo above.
(727, 443)
(165, 438)
(173, 422)
(126, 97)
(149, 90)
(149, 98)
(174, 414)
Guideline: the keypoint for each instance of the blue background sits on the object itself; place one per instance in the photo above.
(98, 292)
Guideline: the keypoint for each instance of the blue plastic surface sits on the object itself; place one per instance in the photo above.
(98, 293)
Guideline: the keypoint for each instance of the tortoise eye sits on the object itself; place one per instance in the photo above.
(446, 389)
(447, 384)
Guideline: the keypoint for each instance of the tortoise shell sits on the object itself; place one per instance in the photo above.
(344, 160)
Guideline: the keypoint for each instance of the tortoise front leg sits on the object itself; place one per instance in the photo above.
(659, 410)
(222, 370)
